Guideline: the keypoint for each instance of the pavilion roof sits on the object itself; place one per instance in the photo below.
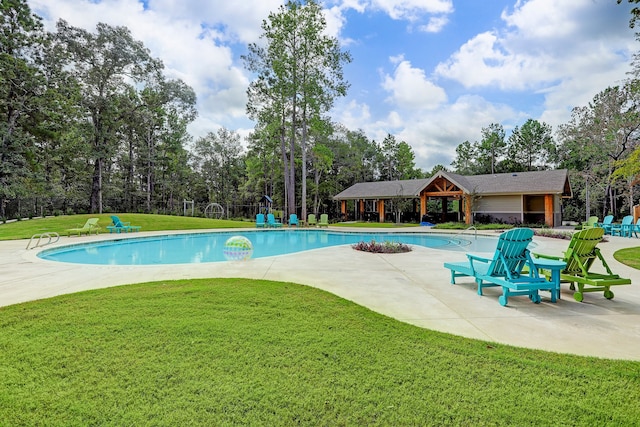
(535, 182)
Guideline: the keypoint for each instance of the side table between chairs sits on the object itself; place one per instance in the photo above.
(554, 267)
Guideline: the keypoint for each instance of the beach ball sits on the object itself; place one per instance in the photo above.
(238, 248)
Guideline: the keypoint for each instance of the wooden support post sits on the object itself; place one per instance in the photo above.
(548, 210)
(468, 218)
(380, 210)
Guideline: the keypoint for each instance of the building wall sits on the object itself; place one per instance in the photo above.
(529, 209)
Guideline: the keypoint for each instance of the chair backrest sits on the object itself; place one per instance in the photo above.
(311, 219)
(607, 219)
(511, 253)
(592, 221)
(92, 222)
(260, 219)
(324, 219)
(627, 220)
(582, 250)
(293, 219)
(116, 221)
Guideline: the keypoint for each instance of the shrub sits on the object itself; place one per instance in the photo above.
(382, 248)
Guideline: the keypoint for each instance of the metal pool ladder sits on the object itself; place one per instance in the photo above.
(48, 235)
(475, 232)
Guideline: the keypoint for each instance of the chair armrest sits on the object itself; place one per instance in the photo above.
(555, 257)
(473, 257)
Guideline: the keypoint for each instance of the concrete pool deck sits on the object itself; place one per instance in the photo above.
(412, 287)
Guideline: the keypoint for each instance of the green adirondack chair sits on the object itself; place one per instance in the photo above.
(311, 220)
(590, 223)
(511, 267)
(90, 226)
(580, 257)
(324, 220)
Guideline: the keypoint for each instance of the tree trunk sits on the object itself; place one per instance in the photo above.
(96, 187)
(303, 198)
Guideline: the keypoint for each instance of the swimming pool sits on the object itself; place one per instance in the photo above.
(208, 247)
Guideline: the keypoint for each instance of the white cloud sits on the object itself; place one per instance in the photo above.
(412, 9)
(352, 114)
(544, 42)
(566, 53)
(410, 88)
(435, 135)
(486, 60)
(435, 25)
(432, 134)
(236, 19)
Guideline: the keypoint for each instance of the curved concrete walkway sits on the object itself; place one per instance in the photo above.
(412, 287)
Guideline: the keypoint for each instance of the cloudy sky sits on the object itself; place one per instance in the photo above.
(431, 72)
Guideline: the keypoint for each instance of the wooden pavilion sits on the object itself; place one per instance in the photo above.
(522, 197)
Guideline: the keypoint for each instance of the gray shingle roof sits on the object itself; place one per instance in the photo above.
(537, 182)
(383, 189)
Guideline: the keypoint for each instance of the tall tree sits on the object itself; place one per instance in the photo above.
(218, 159)
(110, 65)
(531, 146)
(466, 158)
(629, 170)
(22, 84)
(492, 146)
(299, 75)
(397, 160)
(601, 134)
(635, 12)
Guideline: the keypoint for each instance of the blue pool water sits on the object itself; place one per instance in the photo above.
(208, 247)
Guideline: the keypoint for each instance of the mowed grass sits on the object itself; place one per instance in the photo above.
(248, 352)
(629, 256)
(362, 224)
(26, 228)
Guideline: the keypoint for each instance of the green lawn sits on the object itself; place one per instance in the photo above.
(360, 224)
(629, 256)
(247, 352)
(27, 228)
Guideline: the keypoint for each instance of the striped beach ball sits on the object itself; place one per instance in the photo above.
(238, 248)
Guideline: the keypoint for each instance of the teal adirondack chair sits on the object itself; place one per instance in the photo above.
(118, 225)
(511, 267)
(624, 228)
(272, 222)
(635, 229)
(606, 224)
(260, 221)
(293, 220)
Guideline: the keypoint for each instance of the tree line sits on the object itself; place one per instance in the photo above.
(90, 123)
